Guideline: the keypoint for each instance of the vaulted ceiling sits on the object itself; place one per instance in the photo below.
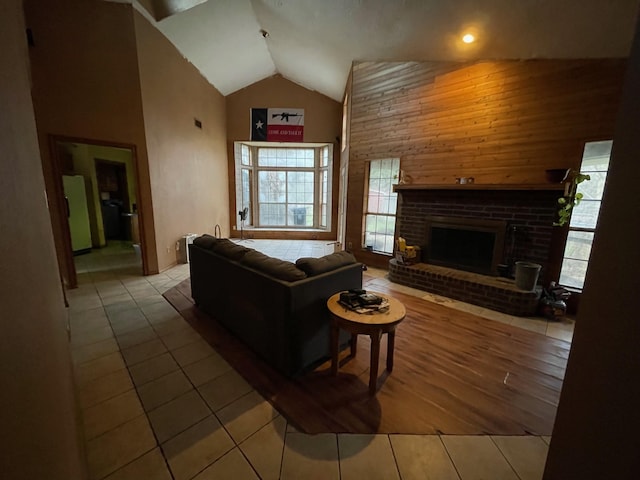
(235, 43)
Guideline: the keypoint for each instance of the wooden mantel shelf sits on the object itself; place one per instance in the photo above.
(478, 186)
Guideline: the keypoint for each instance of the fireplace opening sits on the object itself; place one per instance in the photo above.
(466, 244)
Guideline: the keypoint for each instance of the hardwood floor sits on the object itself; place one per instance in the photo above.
(454, 373)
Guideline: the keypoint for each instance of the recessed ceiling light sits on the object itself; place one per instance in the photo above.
(468, 38)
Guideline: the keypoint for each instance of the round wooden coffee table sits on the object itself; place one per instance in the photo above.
(372, 324)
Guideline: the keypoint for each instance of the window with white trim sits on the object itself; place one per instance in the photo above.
(380, 205)
(584, 217)
(284, 186)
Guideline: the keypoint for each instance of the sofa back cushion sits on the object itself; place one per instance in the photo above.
(316, 266)
(231, 250)
(205, 241)
(280, 269)
(222, 246)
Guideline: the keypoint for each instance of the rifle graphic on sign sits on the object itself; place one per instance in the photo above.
(285, 115)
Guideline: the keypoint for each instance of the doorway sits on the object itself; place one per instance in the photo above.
(114, 199)
(104, 209)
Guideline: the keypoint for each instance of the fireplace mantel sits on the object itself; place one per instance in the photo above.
(478, 186)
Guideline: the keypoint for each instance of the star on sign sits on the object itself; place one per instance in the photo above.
(259, 124)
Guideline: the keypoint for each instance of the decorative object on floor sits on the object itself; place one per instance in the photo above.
(553, 301)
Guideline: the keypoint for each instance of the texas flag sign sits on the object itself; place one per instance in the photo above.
(277, 124)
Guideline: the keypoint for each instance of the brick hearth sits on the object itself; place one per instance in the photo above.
(496, 293)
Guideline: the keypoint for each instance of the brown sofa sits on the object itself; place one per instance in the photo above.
(277, 308)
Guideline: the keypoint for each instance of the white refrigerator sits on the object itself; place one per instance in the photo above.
(78, 212)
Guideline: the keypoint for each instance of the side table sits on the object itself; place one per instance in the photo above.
(373, 324)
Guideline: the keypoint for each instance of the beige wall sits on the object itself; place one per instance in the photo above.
(597, 425)
(124, 83)
(86, 86)
(322, 123)
(187, 165)
(39, 433)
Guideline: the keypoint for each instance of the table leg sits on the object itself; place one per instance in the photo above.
(335, 339)
(375, 358)
(354, 344)
(391, 341)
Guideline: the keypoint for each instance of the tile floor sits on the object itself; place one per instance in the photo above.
(159, 403)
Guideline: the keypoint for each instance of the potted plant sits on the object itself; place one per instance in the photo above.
(571, 198)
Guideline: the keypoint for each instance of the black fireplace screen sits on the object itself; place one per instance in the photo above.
(465, 244)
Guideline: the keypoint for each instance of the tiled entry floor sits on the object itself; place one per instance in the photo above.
(159, 403)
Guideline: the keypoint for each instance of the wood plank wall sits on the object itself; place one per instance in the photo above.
(501, 122)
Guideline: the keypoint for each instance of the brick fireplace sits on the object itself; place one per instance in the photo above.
(527, 214)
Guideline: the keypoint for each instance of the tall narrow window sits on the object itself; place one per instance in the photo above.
(584, 218)
(245, 183)
(324, 186)
(380, 205)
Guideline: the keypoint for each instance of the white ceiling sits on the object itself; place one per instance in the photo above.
(314, 42)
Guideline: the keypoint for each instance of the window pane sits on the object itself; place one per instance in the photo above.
(388, 243)
(387, 204)
(266, 157)
(272, 186)
(594, 188)
(272, 214)
(300, 187)
(286, 157)
(301, 215)
(246, 192)
(393, 204)
(324, 185)
(573, 273)
(379, 232)
(596, 156)
(324, 157)
(323, 197)
(578, 245)
(585, 215)
(244, 153)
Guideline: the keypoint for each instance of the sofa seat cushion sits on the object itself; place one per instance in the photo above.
(280, 269)
(316, 266)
